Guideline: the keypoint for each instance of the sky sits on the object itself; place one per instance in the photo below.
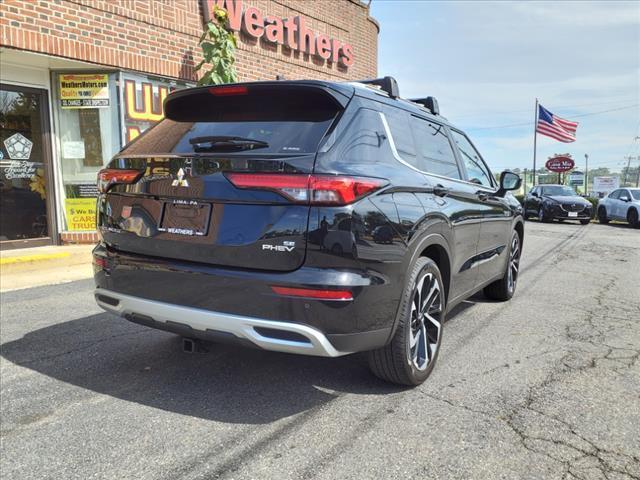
(487, 62)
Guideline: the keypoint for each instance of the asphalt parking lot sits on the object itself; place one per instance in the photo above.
(545, 386)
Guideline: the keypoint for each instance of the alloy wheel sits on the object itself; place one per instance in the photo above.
(514, 263)
(426, 314)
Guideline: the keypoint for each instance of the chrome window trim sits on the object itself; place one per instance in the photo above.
(397, 156)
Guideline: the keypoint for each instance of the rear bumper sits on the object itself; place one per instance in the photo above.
(240, 306)
(267, 334)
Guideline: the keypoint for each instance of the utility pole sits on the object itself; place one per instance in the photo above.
(626, 172)
(586, 174)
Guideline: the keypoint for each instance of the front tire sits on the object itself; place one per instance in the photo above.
(542, 217)
(412, 353)
(504, 288)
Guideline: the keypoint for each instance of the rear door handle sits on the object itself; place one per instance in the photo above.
(441, 191)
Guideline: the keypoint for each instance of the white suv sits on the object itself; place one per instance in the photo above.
(621, 204)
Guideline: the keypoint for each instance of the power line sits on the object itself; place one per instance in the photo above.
(529, 124)
(555, 107)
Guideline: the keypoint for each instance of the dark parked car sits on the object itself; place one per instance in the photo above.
(217, 222)
(556, 202)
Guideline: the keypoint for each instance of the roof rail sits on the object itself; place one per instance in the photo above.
(430, 103)
(387, 84)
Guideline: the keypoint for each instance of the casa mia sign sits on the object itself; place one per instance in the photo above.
(291, 32)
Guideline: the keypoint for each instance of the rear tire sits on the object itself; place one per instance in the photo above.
(412, 353)
(602, 215)
(632, 218)
(504, 288)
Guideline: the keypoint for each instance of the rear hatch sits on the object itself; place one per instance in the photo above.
(174, 191)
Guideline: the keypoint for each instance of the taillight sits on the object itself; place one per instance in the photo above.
(314, 189)
(319, 294)
(100, 263)
(111, 176)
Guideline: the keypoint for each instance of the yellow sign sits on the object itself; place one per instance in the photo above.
(84, 90)
(81, 214)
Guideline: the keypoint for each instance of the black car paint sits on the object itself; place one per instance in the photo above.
(464, 226)
(551, 204)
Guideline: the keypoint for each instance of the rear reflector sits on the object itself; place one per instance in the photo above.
(227, 91)
(314, 189)
(313, 293)
(111, 176)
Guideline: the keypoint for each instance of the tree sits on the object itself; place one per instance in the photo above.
(218, 45)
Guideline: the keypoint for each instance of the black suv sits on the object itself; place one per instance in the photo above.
(306, 217)
(556, 202)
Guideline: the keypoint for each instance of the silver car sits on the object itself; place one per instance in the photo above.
(621, 204)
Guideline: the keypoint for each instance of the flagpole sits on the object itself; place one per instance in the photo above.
(535, 137)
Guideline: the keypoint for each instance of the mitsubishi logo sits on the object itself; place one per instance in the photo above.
(180, 181)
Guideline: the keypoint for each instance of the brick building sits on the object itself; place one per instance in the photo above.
(80, 78)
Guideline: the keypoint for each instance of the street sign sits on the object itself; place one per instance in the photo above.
(576, 179)
(560, 163)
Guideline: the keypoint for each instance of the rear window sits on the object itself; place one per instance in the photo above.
(275, 121)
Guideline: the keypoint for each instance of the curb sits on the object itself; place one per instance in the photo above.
(33, 258)
(43, 261)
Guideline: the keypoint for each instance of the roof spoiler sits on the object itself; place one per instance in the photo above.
(430, 103)
(386, 84)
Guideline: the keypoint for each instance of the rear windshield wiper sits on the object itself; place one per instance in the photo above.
(224, 142)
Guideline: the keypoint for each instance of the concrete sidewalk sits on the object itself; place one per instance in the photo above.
(33, 267)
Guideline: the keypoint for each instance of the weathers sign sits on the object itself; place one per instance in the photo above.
(291, 32)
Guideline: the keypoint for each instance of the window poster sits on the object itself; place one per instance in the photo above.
(81, 90)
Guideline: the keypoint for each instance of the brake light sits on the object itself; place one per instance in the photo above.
(314, 189)
(228, 91)
(112, 176)
(320, 294)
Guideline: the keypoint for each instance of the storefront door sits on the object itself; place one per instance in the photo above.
(26, 193)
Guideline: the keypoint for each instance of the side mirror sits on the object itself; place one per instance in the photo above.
(624, 198)
(534, 194)
(508, 181)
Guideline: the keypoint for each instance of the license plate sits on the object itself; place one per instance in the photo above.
(185, 217)
(573, 214)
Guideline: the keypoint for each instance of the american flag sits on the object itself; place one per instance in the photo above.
(555, 127)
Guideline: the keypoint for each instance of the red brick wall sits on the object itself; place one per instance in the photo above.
(160, 36)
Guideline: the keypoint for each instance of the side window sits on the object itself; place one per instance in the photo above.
(435, 154)
(533, 190)
(363, 140)
(615, 194)
(476, 169)
(398, 121)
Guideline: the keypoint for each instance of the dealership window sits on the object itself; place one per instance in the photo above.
(88, 132)
(142, 101)
(88, 111)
